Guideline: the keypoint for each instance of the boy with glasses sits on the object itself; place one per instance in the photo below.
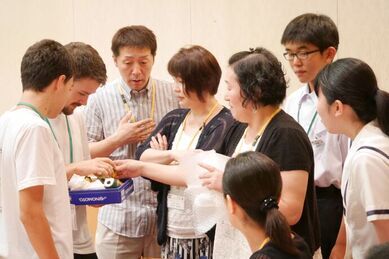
(311, 42)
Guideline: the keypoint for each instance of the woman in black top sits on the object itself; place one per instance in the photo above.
(201, 125)
(255, 89)
(252, 188)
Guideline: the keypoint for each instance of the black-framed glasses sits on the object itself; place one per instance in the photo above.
(301, 55)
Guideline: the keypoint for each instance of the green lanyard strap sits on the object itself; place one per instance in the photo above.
(310, 124)
(312, 121)
(32, 107)
(70, 139)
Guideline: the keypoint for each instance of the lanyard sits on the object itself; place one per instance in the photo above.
(260, 132)
(312, 120)
(32, 107)
(70, 140)
(200, 128)
(127, 107)
(265, 241)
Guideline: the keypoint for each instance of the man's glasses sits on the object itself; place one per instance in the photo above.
(301, 55)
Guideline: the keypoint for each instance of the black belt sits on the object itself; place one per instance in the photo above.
(330, 191)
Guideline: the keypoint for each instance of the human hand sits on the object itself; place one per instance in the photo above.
(133, 132)
(159, 142)
(100, 167)
(211, 179)
(128, 168)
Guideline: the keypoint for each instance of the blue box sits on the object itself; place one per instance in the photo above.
(103, 196)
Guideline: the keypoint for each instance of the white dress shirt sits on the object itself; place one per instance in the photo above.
(330, 150)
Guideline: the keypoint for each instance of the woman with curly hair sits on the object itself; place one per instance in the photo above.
(256, 87)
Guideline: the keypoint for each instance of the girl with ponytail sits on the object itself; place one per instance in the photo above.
(252, 187)
(351, 103)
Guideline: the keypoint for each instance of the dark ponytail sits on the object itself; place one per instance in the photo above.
(279, 232)
(382, 104)
(353, 82)
(254, 182)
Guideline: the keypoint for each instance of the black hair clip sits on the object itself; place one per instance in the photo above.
(251, 50)
(268, 204)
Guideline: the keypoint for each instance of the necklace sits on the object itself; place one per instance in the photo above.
(200, 128)
(126, 105)
(261, 130)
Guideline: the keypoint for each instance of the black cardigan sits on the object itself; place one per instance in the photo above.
(286, 142)
(210, 138)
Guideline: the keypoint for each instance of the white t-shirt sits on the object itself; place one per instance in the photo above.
(82, 240)
(365, 189)
(31, 157)
(180, 210)
(330, 150)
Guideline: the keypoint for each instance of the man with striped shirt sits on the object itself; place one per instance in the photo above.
(118, 117)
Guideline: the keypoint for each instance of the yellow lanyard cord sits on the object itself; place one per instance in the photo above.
(127, 107)
(200, 128)
(264, 242)
(260, 132)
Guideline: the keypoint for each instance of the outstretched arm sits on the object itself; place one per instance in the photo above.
(100, 166)
(167, 174)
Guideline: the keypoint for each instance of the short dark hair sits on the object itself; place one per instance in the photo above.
(198, 69)
(316, 29)
(251, 179)
(87, 62)
(43, 62)
(353, 82)
(260, 76)
(135, 36)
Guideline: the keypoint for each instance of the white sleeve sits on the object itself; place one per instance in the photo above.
(371, 175)
(34, 161)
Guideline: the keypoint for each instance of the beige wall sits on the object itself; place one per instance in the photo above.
(222, 26)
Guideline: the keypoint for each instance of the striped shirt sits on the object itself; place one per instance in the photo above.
(136, 216)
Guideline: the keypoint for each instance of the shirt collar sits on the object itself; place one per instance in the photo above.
(131, 93)
(306, 94)
(365, 131)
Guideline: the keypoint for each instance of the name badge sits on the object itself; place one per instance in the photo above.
(317, 142)
(175, 202)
